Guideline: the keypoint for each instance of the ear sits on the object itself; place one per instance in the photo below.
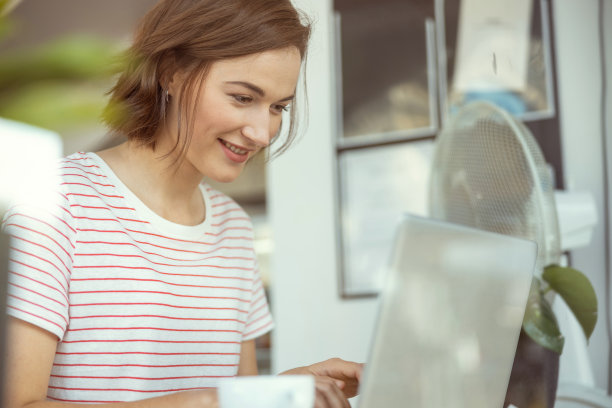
(172, 82)
(171, 76)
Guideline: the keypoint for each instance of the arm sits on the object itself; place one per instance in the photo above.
(28, 363)
(345, 374)
(248, 359)
(328, 391)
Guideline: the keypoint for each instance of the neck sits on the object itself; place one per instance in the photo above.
(167, 185)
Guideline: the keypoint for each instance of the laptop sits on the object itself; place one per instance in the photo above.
(449, 318)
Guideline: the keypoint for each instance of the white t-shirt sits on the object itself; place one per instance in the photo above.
(141, 306)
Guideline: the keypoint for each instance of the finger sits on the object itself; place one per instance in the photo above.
(329, 395)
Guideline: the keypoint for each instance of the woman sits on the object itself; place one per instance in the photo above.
(140, 286)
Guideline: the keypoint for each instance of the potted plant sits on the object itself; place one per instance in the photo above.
(534, 377)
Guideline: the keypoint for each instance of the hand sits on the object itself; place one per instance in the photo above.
(328, 394)
(345, 374)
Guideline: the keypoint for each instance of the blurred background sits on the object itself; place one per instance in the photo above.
(382, 78)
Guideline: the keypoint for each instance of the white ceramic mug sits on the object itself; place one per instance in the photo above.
(285, 391)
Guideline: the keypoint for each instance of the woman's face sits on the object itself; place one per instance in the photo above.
(239, 110)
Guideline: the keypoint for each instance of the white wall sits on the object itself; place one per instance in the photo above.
(579, 87)
(313, 323)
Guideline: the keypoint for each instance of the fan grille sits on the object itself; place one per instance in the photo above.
(489, 173)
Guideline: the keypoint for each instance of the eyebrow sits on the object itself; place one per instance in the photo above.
(257, 89)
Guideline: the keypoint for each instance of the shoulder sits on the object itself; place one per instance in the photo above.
(224, 210)
(81, 167)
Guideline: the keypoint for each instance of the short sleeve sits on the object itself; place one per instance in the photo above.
(40, 262)
(259, 320)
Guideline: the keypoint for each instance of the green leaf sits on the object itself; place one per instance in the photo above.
(69, 58)
(55, 105)
(539, 321)
(577, 292)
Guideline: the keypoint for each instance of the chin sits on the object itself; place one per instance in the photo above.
(224, 178)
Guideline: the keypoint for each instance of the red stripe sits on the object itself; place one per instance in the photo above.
(231, 219)
(257, 310)
(35, 315)
(66, 224)
(47, 224)
(157, 246)
(160, 281)
(154, 304)
(144, 365)
(110, 219)
(172, 259)
(36, 231)
(134, 390)
(86, 178)
(84, 157)
(37, 293)
(91, 207)
(45, 272)
(207, 319)
(83, 401)
(262, 328)
(154, 328)
(103, 353)
(223, 203)
(227, 212)
(109, 255)
(228, 229)
(257, 284)
(256, 320)
(141, 242)
(137, 378)
(84, 171)
(259, 299)
(37, 305)
(88, 186)
(128, 219)
(166, 237)
(40, 258)
(86, 292)
(44, 284)
(165, 273)
(150, 341)
(47, 249)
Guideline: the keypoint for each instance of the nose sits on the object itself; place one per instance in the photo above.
(259, 130)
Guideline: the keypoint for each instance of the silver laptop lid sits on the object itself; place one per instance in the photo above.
(449, 319)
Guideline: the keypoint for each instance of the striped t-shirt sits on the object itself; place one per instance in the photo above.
(141, 306)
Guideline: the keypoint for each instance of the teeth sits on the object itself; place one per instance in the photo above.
(234, 148)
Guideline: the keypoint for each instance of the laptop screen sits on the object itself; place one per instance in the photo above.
(449, 319)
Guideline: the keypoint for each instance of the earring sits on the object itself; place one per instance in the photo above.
(164, 102)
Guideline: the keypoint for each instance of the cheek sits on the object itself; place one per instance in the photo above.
(212, 121)
(275, 125)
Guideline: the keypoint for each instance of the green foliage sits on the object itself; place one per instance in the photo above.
(58, 85)
(71, 58)
(540, 322)
(577, 292)
(575, 289)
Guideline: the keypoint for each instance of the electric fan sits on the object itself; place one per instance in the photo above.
(489, 173)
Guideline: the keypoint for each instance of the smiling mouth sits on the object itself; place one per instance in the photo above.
(233, 148)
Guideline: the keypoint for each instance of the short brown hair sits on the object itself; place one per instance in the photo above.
(191, 35)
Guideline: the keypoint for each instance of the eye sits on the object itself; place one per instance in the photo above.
(280, 108)
(243, 99)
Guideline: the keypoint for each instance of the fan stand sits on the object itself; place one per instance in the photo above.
(534, 376)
